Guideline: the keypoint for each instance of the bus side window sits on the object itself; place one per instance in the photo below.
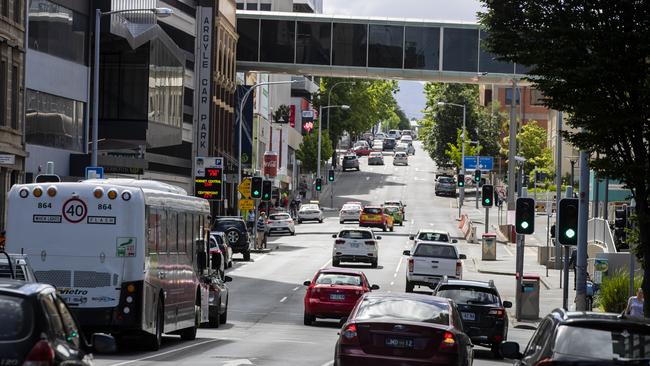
(172, 226)
(189, 236)
(162, 232)
(181, 233)
(152, 229)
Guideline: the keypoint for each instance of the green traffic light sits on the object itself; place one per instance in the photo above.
(570, 233)
(524, 224)
(487, 201)
(255, 193)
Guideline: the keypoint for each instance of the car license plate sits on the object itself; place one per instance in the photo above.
(468, 316)
(398, 342)
(354, 245)
(337, 297)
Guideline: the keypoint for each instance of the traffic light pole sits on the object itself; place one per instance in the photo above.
(487, 219)
(583, 218)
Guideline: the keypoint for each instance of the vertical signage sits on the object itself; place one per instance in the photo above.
(209, 176)
(202, 90)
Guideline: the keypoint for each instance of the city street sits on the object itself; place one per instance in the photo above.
(265, 325)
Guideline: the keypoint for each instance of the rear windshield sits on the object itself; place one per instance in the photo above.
(349, 157)
(613, 342)
(433, 237)
(355, 234)
(391, 209)
(403, 309)
(361, 143)
(351, 207)
(437, 251)
(16, 317)
(338, 279)
(392, 203)
(469, 295)
(446, 180)
(372, 211)
(279, 217)
(309, 207)
(223, 225)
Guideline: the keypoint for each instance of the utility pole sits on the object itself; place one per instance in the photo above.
(583, 218)
(512, 148)
(558, 188)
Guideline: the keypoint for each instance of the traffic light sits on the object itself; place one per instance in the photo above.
(487, 195)
(477, 175)
(267, 187)
(525, 216)
(461, 180)
(568, 219)
(319, 184)
(620, 223)
(256, 188)
(330, 175)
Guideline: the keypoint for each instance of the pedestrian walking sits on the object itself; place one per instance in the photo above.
(260, 240)
(635, 305)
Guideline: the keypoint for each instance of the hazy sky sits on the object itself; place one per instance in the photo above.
(410, 98)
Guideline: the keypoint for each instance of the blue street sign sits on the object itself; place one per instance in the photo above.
(94, 172)
(484, 163)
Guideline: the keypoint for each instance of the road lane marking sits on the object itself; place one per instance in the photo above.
(326, 264)
(399, 264)
(392, 283)
(283, 299)
(505, 247)
(367, 178)
(297, 287)
(328, 363)
(412, 221)
(395, 275)
(163, 353)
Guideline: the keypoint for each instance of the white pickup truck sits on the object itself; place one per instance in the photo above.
(429, 262)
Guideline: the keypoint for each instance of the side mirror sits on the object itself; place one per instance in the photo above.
(334, 236)
(227, 279)
(374, 287)
(510, 350)
(201, 260)
(411, 237)
(104, 343)
(378, 237)
(507, 304)
(462, 256)
(454, 241)
(406, 252)
(307, 283)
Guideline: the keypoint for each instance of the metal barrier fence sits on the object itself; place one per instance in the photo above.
(598, 231)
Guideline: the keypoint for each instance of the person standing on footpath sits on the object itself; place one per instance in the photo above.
(635, 305)
(260, 240)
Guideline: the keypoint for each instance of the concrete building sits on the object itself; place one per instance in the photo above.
(12, 82)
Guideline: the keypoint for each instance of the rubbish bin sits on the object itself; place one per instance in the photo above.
(529, 297)
(489, 247)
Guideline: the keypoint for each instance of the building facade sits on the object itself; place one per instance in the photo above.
(12, 81)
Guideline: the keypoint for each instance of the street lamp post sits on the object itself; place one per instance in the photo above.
(462, 157)
(329, 102)
(159, 12)
(320, 128)
(241, 122)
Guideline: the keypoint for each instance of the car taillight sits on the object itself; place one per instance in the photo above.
(545, 362)
(41, 354)
(459, 269)
(268, 222)
(411, 264)
(370, 242)
(349, 335)
(448, 342)
(290, 221)
(339, 241)
(499, 313)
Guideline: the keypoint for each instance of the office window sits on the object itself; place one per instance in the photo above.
(350, 44)
(265, 7)
(251, 6)
(277, 44)
(14, 97)
(249, 37)
(5, 8)
(488, 61)
(18, 11)
(385, 46)
(536, 97)
(422, 48)
(54, 121)
(509, 97)
(488, 97)
(313, 43)
(58, 31)
(240, 6)
(460, 50)
(3, 93)
(165, 86)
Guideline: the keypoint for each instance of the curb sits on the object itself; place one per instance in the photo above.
(505, 273)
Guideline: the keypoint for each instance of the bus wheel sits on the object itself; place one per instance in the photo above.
(189, 334)
(155, 340)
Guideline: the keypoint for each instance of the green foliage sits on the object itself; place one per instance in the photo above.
(283, 113)
(308, 151)
(613, 294)
(455, 152)
(633, 239)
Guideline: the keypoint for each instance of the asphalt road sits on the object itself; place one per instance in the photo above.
(266, 302)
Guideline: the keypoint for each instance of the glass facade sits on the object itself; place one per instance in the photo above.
(385, 46)
(350, 44)
(54, 121)
(249, 33)
(489, 63)
(508, 100)
(165, 86)
(460, 51)
(422, 48)
(313, 43)
(278, 40)
(58, 31)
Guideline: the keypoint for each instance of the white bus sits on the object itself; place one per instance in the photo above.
(127, 255)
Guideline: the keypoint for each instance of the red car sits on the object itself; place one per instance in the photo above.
(403, 329)
(361, 148)
(333, 293)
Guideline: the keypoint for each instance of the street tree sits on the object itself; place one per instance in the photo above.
(307, 153)
(531, 142)
(454, 151)
(589, 58)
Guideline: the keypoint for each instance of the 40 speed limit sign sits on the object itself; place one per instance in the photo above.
(74, 210)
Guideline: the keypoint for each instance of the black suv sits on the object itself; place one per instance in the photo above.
(389, 144)
(236, 233)
(584, 338)
(483, 313)
(38, 328)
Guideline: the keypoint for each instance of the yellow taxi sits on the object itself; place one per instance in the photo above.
(376, 216)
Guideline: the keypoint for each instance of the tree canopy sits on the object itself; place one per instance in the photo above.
(307, 153)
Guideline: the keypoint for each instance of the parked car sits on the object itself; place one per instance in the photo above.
(333, 292)
(280, 223)
(310, 212)
(420, 272)
(350, 212)
(235, 230)
(484, 315)
(400, 158)
(355, 245)
(38, 328)
(222, 243)
(376, 158)
(375, 216)
(217, 299)
(361, 148)
(446, 186)
(584, 338)
(350, 162)
(389, 144)
(16, 266)
(396, 213)
(403, 329)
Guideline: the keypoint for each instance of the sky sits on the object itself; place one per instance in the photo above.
(411, 96)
